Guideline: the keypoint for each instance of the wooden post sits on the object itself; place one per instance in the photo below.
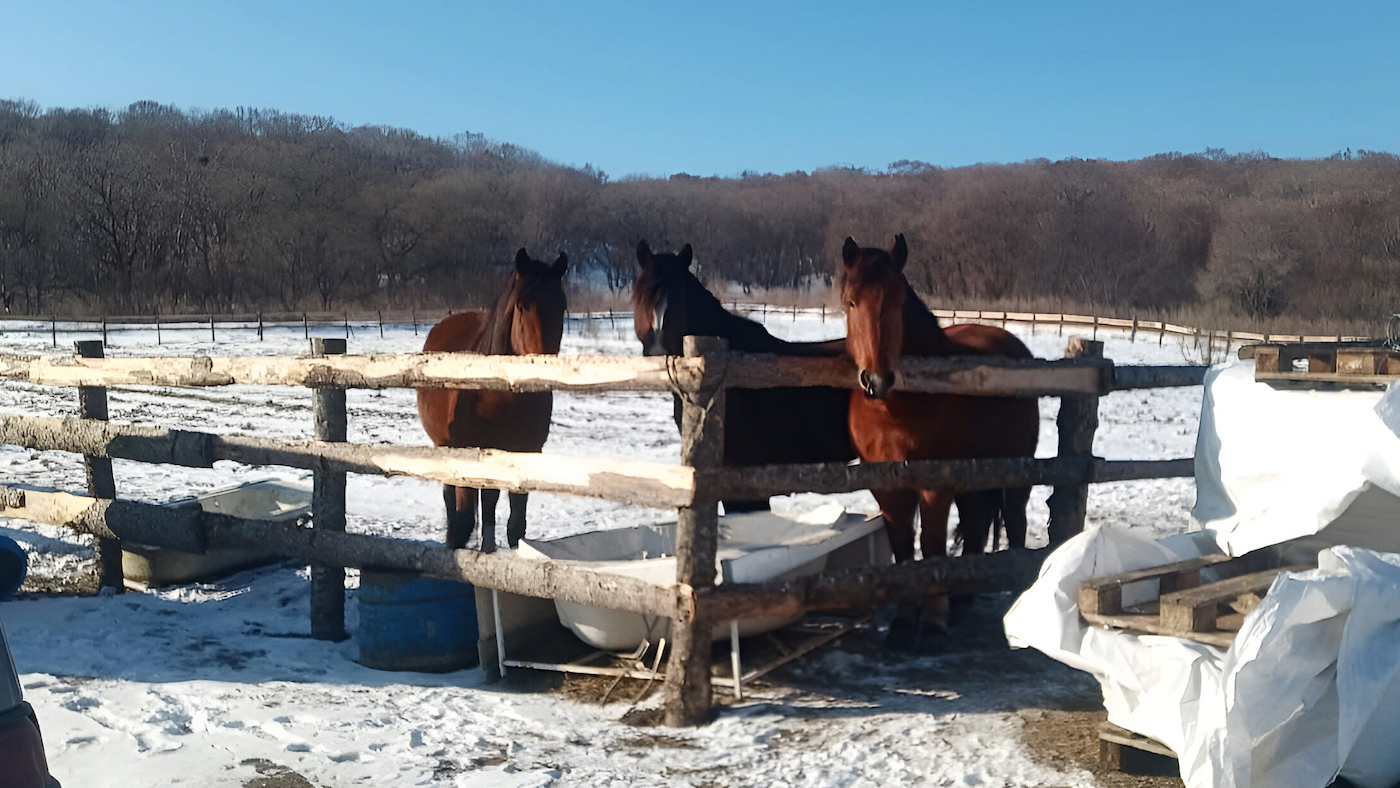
(347, 324)
(260, 326)
(328, 504)
(92, 404)
(212, 337)
(305, 329)
(415, 321)
(1133, 336)
(157, 328)
(1162, 332)
(104, 331)
(1062, 324)
(1096, 328)
(1077, 422)
(55, 330)
(380, 312)
(697, 536)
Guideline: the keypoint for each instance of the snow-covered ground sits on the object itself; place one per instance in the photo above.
(218, 684)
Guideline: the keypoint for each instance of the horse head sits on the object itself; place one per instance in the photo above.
(535, 302)
(660, 302)
(873, 291)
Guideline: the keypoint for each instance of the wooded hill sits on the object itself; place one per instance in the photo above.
(152, 208)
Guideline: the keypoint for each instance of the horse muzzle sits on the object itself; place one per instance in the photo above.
(876, 385)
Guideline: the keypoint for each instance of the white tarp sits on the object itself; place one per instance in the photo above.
(1273, 465)
(1311, 686)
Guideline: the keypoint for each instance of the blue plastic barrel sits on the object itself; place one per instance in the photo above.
(409, 622)
(14, 565)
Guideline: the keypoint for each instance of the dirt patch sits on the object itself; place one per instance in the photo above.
(1068, 740)
(274, 775)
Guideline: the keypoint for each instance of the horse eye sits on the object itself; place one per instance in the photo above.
(850, 305)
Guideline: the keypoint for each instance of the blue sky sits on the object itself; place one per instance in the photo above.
(721, 87)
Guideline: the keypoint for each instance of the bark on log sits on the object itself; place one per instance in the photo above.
(960, 475)
(972, 375)
(1010, 570)
(1155, 377)
(92, 404)
(328, 502)
(1077, 421)
(192, 530)
(636, 482)
(420, 370)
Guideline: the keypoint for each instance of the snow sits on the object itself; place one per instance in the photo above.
(216, 684)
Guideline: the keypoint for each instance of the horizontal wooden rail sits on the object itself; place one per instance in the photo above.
(193, 530)
(635, 482)
(1012, 570)
(962, 475)
(973, 375)
(411, 370)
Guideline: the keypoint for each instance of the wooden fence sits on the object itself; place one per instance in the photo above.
(350, 324)
(694, 487)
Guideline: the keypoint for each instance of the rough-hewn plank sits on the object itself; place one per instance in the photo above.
(1156, 377)
(1194, 609)
(972, 375)
(1152, 625)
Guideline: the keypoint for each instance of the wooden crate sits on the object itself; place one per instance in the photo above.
(1121, 750)
(1208, 613)
(1367, 363)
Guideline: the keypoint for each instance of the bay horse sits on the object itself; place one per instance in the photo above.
(761, 426)
(528, 319)
(885, 321)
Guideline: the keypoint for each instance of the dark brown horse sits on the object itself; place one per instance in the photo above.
(528, 319)
(761, 426)
(885, 321)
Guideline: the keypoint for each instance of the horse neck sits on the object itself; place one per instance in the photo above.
(495, 336)
(923, 336)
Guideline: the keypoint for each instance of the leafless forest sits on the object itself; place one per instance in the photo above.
(152, 208)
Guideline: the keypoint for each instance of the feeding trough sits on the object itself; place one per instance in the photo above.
(753, 548)
(272, 499)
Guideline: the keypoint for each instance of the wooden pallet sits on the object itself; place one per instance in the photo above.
(1122, 750)
(1366, 363)
(1211, 613)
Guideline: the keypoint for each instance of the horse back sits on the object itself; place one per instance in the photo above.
(974, 339)
(456, 333)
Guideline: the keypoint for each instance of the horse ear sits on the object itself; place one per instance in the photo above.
(899, 253)
(850, 252)
(522, 259)
(561, 265)
(686, 255)
(644, 255)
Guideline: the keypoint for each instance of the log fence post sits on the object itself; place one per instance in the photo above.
(212, 338)
(328, 504)
(157, 328)
(697, 535)
(260, 326)
(1077, 421)
(92, 404)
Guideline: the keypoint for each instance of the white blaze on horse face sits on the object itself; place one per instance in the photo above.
(658, 317)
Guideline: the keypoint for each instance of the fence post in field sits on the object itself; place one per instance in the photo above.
(92, 404)
(1062, 324)
(347, 324)
(328, 504)
(1095, 335)
(157, 328)
(415, 321)
(1162, 332)
(212, 337)
(697, 535)
(1133, 336)
(1077, 422)
(380, 312)
(305, 329)
(54, 325)
(104, 334)
(260, 326)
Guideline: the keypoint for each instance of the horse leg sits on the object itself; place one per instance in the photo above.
(1013, 512)
(976, 513)
(489, 498)
(933, 519)
(461, 514)
(898, 507)
(515, 527)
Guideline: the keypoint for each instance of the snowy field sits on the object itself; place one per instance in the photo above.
(218, 684)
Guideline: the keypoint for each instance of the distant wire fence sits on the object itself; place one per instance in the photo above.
(207, 327)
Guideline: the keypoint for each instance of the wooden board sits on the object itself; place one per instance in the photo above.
(1365, 363)
(1113, 740)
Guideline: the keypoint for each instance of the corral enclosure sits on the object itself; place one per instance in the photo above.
(1140, 424)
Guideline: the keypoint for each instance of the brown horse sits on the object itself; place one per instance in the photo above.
(885, 320)
(761, 426)
(528, 319)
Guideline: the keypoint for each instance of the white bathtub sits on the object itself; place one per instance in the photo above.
(753, 548)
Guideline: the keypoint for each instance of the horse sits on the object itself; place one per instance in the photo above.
(762, 426)
(885, 321)
(528, 319)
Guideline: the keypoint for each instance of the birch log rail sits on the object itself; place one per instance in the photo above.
(973, 375)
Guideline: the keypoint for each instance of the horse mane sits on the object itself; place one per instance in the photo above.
(495, 334)
(923, 336)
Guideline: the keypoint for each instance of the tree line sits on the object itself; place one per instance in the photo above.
(156, 209)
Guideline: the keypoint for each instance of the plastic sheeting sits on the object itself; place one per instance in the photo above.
(1276, 464)
(1310, 689)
